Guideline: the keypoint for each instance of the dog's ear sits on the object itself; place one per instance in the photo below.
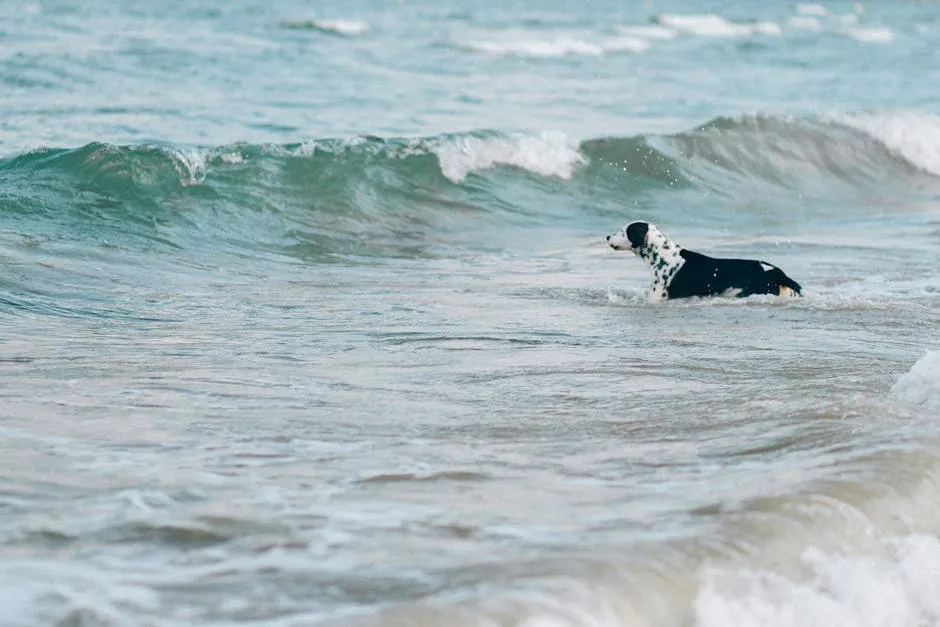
(636, 233)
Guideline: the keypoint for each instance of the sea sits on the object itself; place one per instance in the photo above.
(307, 316)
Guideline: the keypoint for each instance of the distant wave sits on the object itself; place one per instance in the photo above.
(347, 28)
(556, 45)
(871, 35)
(808, 18)
(811, 9)
(537, 42)
(648, 31)
(710, 25)
(807, 23)
(816, 18)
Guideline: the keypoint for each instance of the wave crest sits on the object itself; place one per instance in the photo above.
(545, 154)
(912, 135)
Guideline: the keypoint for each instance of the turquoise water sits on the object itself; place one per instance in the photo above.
(307, 317)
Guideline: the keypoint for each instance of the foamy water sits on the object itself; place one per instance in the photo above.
(716, 26)
(649, 31)
(811, 9)
(897, 585)
(921, 386)
(806, 23)
(536, 45)
(546, 154)
(638, 38)
(871, 35)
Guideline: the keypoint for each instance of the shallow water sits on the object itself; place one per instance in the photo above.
(308, 316)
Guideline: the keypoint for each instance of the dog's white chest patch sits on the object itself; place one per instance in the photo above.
(664, 258)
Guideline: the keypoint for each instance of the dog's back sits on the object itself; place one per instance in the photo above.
(702, 275)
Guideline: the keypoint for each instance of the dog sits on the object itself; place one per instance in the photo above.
(681, 273)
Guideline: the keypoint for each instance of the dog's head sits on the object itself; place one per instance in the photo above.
(660, 253)
(631, 237)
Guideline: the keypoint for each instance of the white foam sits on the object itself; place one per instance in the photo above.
(23, 598)
(625, 43)
(921, 384)
(896, 587)
(763, 28)
(648, 31)
(848, 19)
(559, 45)
(191, 164)
(232, 157)
(350, 28)
(35, 592)
(911, 134)
(309, 147)
(547, 154)
(878, 35)
(811, 9)
(710, 25)
(806, 23)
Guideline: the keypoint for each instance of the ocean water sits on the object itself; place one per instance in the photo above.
(307, 317)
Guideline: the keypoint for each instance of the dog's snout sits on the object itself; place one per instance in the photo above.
(608, 238)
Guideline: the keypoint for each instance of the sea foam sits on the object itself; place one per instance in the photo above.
(811, 9)
(710, 25)
(895, 587)
(921, 384)
(913, 135)
(557, 45)
(547, 154)
(870, 35)
(648, 31)
(809, 23)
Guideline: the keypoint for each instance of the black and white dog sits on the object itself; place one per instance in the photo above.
(680, 273)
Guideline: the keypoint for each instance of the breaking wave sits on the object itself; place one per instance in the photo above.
(321, 197)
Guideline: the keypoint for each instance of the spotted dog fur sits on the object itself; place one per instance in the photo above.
(680, 273)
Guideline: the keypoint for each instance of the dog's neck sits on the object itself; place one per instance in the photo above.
(664, 258)
(659, 251)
